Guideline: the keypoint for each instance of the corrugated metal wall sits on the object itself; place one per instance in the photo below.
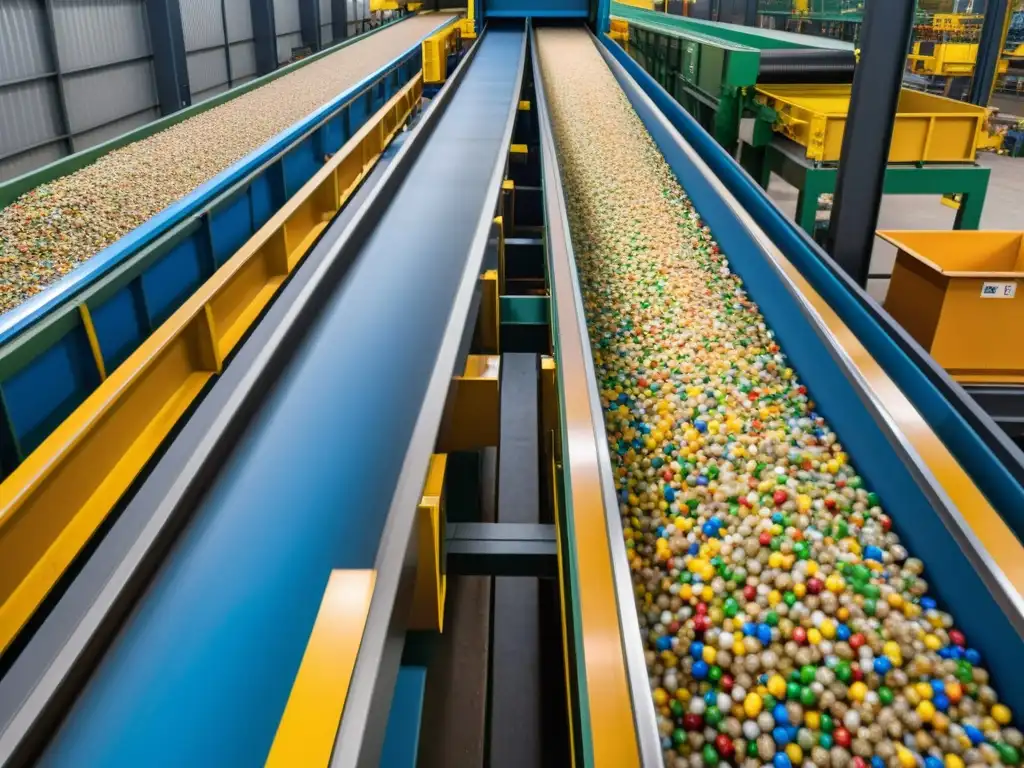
(72, 79)
(358, 16)
(219, 46)
(326, 33)
(241, 46)
(102, 83)
(288, 27)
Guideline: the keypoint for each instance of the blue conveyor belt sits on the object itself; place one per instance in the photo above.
(201, 670)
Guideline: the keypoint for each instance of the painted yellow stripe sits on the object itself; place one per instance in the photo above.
(52, 504)
(564, 603)
(94, 342)
(305, 736)
(427, 611)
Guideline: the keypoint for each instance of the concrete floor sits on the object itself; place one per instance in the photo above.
(1008, 104)
(1004, 209)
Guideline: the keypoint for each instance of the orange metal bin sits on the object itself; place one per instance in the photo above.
(960, 294)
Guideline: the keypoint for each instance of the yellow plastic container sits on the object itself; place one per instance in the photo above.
(929, 129)
(960, 294)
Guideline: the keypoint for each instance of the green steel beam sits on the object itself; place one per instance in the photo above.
(524, 310)
(969, 180)
(752, 37)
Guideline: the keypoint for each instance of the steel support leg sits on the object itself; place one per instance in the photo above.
(865, 151)
(989, 48)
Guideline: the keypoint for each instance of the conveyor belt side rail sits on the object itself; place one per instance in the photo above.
(51, 362)
(940, 510)
(14, 322)
(52, 504)
(616, 714)
(991, 459)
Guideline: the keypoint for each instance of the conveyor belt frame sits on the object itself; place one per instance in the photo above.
(77, 633)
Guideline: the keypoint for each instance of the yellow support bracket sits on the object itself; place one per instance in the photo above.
(554, 449)
(52, 504)
(488, 324)
(550, 420)
(436, 50)
(472, 413)
(305, 736)
(427, 612)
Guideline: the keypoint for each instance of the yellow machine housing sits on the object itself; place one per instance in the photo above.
(619, 30)
(929, 129)
(960, 294)
(958, 23)
(436, 50)
(948, 60)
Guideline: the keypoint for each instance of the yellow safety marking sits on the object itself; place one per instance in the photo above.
(94, 342)
(427, 612)
(524, 106)
(508, 184)
(564, 604)
(473, 415)
(518, 149)
(54, 501)
(305, 736)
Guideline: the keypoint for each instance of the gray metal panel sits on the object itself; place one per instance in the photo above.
(95, 98)
(285, 44)
(209, 93)
(34, 158)
(286, 16)
(243, 61)
(239, 16)
(206, 69)
(103, 133)
(325, 12)
(29, 114)
(91, 32)
(23, 46)
(326, 35)
(202, 26)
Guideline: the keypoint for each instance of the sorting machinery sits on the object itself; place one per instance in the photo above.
(246, 450)
(796, 88)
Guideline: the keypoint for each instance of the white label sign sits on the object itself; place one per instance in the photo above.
(998, 290)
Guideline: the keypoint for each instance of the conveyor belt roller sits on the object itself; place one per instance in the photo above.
(801, 65)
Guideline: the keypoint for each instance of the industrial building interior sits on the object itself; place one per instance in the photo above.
(555, 383)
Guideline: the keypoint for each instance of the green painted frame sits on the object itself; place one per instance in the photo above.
(970, 180)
